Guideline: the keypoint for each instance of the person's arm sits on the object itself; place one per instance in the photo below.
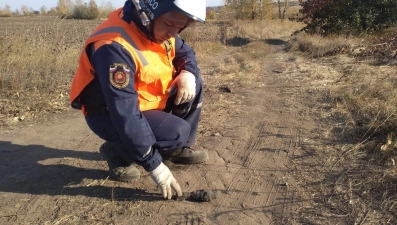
(122, 103)
(187, 72)
(185, 58)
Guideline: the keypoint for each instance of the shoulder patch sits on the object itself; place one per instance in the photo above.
(119, 75)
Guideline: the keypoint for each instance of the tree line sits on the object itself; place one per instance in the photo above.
(69, 9)
(324, 17)
(320, 16)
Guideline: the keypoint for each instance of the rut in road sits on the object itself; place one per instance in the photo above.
(253, 146)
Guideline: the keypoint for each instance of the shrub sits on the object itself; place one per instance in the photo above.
(84, 11)
(348, 16)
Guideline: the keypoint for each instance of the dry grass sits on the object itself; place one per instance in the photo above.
(359, 104)
(39, 57)
(246, 43)
(316, 46)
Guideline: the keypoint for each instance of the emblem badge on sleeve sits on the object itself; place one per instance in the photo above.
(119, 75)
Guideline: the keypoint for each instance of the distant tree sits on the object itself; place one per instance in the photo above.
(282, 8)
(17, 12)
(7, 8)
(79, 3)
(6, 12)
(80, 11)
(64, 8)
(26, 11)
(105, 9)
(43, 10)
(52, 12)
(83, 11)
(69, 5)
(249, 9)
(93, 9)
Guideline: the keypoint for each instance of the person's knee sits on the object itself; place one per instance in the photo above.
(178, 135)
(184, 130)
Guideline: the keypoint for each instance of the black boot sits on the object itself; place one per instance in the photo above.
(185, 155)
(118, 168)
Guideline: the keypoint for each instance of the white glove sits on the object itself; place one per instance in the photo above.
(165, 180)
(186, 84)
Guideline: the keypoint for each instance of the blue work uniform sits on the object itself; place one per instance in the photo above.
(121, 122)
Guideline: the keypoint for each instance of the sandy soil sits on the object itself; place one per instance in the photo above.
(255, 135)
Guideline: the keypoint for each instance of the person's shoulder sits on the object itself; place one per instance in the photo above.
(107, 49)
(100, 43)
(107, 45)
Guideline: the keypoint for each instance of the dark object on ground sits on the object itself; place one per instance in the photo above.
(225, 88)
(203, 195)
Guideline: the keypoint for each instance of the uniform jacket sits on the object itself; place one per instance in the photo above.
(121, 69)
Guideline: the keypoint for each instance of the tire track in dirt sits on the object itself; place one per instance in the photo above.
(259, 180)
(256, 150)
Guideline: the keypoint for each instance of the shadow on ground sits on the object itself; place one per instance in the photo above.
(22, 170)
(272, 41)
(237, 41)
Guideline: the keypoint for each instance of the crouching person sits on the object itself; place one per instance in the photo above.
(139, 88)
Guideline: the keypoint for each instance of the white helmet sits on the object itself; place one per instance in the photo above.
(194, 9)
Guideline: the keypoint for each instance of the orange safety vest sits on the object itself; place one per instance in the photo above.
(154, 68)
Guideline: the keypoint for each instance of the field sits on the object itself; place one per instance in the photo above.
(299, 129)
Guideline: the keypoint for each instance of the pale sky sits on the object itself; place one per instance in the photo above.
(16, 4)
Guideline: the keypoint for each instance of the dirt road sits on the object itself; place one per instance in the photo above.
(52, 173)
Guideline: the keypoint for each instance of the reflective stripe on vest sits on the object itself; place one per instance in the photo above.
(154, 68)
(124, 34)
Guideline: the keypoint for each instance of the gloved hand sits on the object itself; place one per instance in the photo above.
(186, 84)
(165, 180)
